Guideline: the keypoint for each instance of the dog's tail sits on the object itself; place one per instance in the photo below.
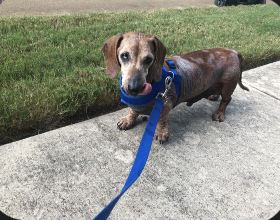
(241, 68)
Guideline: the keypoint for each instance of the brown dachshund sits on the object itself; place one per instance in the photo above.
(205, 74)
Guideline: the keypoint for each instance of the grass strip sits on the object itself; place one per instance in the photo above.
(52, 67)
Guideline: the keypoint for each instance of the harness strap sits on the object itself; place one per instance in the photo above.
(177, 78)
(142, 100)
(140, 160)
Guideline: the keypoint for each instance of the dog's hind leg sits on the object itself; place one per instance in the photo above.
(226, 92)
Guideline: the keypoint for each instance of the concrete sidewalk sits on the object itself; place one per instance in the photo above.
(207, 170)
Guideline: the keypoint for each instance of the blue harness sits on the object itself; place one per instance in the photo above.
(157, 87)
(147, 139)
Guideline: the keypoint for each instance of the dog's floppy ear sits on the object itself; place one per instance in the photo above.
(160, 52)
(109, 49)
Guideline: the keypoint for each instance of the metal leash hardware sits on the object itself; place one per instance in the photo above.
(167, 87)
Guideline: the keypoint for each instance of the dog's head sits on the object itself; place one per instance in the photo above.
(140, 57)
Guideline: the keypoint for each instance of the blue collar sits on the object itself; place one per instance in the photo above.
(157, 87)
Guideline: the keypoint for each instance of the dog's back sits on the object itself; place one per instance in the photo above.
(208, 71)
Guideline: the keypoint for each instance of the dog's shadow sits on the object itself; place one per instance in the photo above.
(197, 119)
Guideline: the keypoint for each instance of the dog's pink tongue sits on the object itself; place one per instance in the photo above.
(147, 89)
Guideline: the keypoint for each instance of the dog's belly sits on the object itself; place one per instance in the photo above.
(206, 94)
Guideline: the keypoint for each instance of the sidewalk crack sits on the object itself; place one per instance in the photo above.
(264, 91)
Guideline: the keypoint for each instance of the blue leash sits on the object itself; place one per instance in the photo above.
(148, 136)
(140, 160)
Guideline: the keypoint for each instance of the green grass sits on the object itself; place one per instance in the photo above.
(52, 67)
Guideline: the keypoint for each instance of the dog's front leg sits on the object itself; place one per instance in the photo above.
(128, 121)
(162, 131)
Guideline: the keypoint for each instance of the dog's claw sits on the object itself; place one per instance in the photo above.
(125, 124)
(162, 134)
(119, 126)
(161, 141)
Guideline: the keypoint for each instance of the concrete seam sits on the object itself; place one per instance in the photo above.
(261, 90)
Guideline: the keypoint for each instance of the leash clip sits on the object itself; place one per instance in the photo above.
(167, 86)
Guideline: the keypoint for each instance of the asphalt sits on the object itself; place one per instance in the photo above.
(207, 170)
(61, 7)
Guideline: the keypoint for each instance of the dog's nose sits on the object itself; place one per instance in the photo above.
(134, 88)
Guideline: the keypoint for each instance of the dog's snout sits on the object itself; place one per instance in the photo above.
(135, 86)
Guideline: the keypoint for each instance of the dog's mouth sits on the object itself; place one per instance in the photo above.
(147, 88)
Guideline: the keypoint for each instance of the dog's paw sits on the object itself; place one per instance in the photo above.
(213, 97)
(162, 134)
(125, 123)
(218, 116)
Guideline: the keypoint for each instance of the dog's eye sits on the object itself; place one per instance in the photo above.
(125, 56)
(148, 60)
